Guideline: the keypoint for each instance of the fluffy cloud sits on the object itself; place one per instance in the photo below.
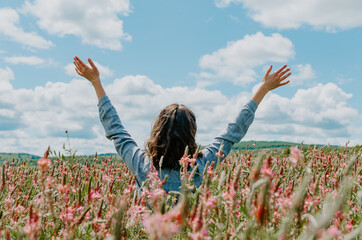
(236, 61)
(6, 75)
(319, 114)
(302, 73)
(95, 22)
(41, 115)
(329, 15)
(8, 116)
(31, 60)
(225, 3)
(32, 119)
(9, 21)
(104, 71)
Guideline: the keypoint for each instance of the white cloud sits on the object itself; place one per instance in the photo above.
(322, 104)
(22, 141)
(331, 15)
(95, 22)
(104, 71)
(9, 21)
(36, 118)
(31, 60)
(343, 80)
(32, 119)
(301, 73)
(319, 114)
(236, 61)
(225, 3)
(6, 75)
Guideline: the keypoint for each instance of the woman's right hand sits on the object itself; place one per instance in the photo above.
(276, 79)
(271, 81)
(92, 74)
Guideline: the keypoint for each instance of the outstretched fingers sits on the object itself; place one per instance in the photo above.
(285, 76)
(92, 64)
(283, 83)
(76, 64)
(78, 68)
(282, 74)
(269, 70)
(79, 72)
(280, 69)
(80, 62)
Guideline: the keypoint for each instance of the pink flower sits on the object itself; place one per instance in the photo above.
(8, 202)
(126, 191)
(229, 195)
(44, 164)
(160, 226)
(68, 215)
(95, 195)
(183, 161)
(211, 202)
(33, 225)
(63, 188)
(210, 169)
(192, 161)
(334, 231)
(200, 235)
(349, 225)
(267, 171)
(157, 194)
(294, 155)
(136, 213)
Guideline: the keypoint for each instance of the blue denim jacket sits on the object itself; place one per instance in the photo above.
(139, 163)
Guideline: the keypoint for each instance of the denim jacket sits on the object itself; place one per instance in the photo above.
(139, 163)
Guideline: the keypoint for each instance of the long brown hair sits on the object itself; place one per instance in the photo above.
(174, 129)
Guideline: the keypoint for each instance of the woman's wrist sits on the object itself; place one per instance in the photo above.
(98, 87)
(260, 93)
(96, 82)
(264, 88)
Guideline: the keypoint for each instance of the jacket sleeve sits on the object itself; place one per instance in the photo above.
(123, 142)
(233, 133)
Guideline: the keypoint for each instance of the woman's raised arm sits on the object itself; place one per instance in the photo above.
(113, 127)
(92, 74)
(237, 128)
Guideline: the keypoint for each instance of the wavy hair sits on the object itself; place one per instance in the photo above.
(174, 129)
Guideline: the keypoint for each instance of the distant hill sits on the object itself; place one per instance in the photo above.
(241, 145)
(270, 144)
(22, 156)
(9, 157)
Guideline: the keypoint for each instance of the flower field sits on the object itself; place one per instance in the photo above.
(291, 193)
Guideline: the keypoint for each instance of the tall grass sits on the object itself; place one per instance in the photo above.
(313, 193)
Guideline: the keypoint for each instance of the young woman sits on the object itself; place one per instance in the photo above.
(174, 129)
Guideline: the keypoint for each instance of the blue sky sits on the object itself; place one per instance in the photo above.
(209, 55)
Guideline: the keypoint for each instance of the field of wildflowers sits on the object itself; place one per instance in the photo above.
(291, 193)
